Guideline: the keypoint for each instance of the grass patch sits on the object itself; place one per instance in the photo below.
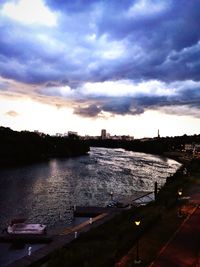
(106, 244)
(151, 243)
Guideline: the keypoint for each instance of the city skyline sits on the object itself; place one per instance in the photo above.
(129, 67)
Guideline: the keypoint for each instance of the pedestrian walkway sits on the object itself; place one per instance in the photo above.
(79, 227)
(184, 248)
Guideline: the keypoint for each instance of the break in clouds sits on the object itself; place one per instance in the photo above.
(121, 57)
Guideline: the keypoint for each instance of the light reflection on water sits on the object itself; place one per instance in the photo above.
(44, 192)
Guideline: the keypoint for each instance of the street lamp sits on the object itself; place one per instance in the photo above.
(137, 260)
(180, 192)
(111, 195)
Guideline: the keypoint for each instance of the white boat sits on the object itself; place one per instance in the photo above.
(20, 227)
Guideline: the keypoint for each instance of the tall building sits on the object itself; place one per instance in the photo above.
(103, 134)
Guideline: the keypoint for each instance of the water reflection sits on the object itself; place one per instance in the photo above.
(44, 192)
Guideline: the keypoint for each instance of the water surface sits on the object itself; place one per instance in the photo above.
(44, 192)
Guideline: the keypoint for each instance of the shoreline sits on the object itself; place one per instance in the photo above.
(167, 200)
(12, 164)
(180, 157)
(177, 173)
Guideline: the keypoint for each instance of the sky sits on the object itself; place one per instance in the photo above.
(130, 67)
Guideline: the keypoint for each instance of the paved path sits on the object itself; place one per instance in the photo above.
(183, 249)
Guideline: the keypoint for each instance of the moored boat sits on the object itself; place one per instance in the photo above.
(18, 226)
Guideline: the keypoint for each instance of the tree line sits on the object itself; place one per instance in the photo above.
(24, 147)
(154, 145)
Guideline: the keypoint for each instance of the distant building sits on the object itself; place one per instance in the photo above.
(127, 137)
(88, 137)
(108, 135)
(115, 137)
(103, 134)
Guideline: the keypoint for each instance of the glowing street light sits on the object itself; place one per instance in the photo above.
(137, 260)
(111, 195)
(180, 192)
(137, 223)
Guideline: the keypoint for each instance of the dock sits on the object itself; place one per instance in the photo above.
(61, 240)
(97, 216)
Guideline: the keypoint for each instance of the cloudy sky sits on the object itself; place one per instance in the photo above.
(130, 67)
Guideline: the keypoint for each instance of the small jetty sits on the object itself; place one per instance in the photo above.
(60, 240)
(96, 216)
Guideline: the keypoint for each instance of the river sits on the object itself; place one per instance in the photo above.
(44, 192)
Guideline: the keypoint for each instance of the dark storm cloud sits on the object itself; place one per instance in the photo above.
(185, 94)
(90, 111)
(111, 105)
(173, 27)
(97, 41)
(120, 106)
(139, 106)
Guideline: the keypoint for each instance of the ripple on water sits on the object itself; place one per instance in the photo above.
(44, 192)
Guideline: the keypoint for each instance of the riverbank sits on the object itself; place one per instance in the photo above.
(50, 188)
(111, 237)
(106, 245)
(22, 148)
(182, 157)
